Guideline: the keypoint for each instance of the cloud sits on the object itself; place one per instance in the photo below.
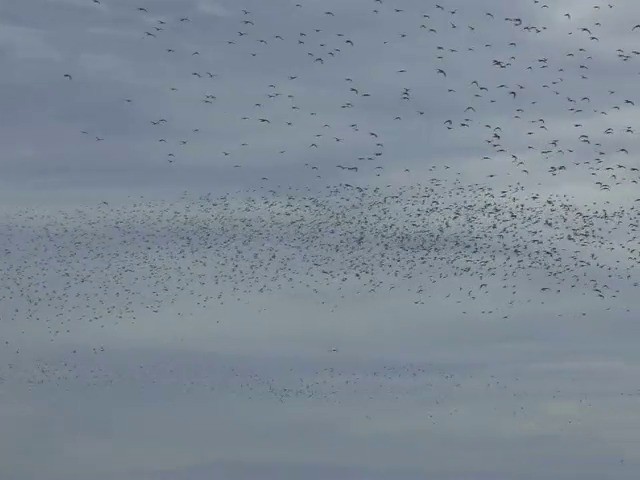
(27, 43)
(162, 336)
(210, 7)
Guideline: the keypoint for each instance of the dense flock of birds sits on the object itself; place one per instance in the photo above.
(482, 253)
(489, 248)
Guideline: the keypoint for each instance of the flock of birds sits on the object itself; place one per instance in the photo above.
(509, 84)
(489, 247)
(485, 253)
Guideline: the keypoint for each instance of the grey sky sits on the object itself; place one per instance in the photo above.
(296, 328)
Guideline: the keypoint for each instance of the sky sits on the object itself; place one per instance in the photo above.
(319, 239)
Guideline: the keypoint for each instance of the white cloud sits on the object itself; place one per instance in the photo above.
(214, 8)
(27, 43)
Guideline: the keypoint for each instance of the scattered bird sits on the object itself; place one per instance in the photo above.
(488, 235)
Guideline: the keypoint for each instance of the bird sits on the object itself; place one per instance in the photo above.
(410, 228)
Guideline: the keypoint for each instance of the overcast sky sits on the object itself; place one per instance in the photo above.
(149, 325)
